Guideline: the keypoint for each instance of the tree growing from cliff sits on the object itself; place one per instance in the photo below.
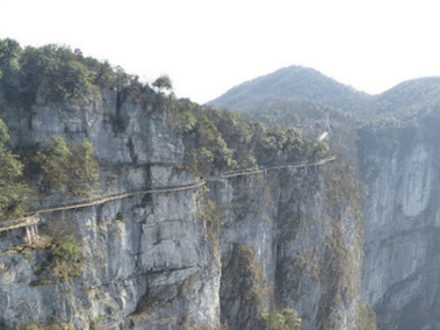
(9, 65)
(12, 191)
(85, 169)
(163, 83)
(73, 167)
(284, 319)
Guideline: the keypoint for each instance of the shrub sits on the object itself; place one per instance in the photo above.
(12, 191)
(55, 163)
(66, 249)
(120, 216)
(284, 319)
(66, 253)
(74, 166)
(219, 140)
(84, 166)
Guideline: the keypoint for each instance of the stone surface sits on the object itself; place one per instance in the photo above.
(161, 266)
(400, 273)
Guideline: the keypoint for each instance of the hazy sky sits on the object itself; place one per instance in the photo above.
(208, 46)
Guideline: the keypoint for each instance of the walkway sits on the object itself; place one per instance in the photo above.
(32, 218)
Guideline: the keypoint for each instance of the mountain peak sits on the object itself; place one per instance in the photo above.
(292, 83)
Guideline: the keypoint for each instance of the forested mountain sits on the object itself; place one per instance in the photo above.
(411, 95)
(294, 83)
(301, 88)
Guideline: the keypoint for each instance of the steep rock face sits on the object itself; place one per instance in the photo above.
(154, 266)
(400, 275)
(154, 269)
(152, 261)
(304, 256)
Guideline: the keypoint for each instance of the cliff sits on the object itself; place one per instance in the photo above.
(168, 251)
(401, 214)
(393, 137)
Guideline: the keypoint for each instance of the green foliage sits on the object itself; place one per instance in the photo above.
(210, 214)
(66, 252)
(219, 140)
(163, 83)
(254, 288)
(342, 187)
(57, 74)
(342, 198)
(94, 323)
(292, 84)
(120, 216)
(74, 166)
(9, 65)
(42, 282)
(84, 166)
(284, 319)
(4, 135)
(12, 191)
(55, 163)
(66, 248)
(319, 150)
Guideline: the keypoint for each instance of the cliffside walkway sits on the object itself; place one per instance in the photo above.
(31, 219)
(232, 174)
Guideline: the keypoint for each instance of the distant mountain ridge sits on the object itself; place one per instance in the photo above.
(408, 95)
(301, 84)
(293, 83)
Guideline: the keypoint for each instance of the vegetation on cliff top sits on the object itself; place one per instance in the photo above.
(214, 140)
(221, 140)
(56, 74)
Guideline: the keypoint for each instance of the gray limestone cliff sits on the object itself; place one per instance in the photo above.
(394, 138)
(400, 275)
(286, 238)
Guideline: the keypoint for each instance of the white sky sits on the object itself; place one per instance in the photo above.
(208, 46)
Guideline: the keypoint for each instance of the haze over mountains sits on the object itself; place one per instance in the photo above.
(301, 85)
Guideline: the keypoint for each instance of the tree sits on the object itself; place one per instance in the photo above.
(72, 166)
(84, 167)
(9, 66)
(57, 74)
(12, 191)
(55, 163)
(163, 83)
(284, 319)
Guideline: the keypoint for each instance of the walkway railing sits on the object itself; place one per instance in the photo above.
(31, 219)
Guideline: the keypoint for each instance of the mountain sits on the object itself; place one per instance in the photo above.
(409, 95)
(294, 83)
(298, 88)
